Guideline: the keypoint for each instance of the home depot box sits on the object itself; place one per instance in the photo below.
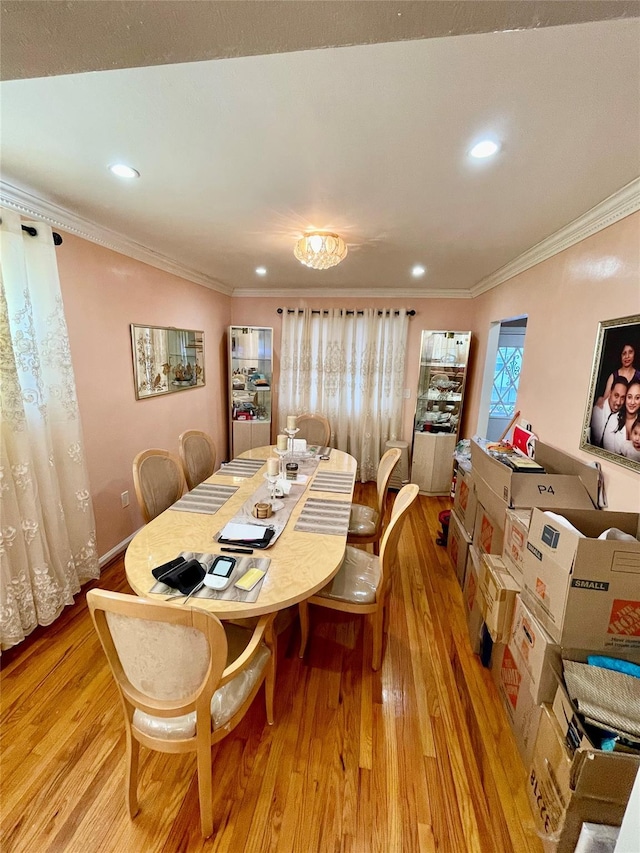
(516, 694)
(470, 598)
(516, 531)
(566, 483)
(565, 791)
(465, 500)
(585, 591)
(497, 592)
(458, 546)
(488, 534)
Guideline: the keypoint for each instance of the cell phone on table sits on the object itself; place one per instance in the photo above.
(219, 575)
(250, 579)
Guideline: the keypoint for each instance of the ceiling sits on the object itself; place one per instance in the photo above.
(241, 154)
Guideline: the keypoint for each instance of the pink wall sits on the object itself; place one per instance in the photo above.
(564, 299)
(103, 292)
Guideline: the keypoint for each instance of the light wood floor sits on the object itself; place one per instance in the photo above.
(416, 757)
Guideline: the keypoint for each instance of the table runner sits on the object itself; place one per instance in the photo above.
(206, 498)
(241, 467)
(324, 516)
(231, 593)
(279, 518)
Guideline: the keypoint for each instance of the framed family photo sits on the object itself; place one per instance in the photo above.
(611, 426)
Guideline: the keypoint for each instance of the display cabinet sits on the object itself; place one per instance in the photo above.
(444, 359)
(250, 376)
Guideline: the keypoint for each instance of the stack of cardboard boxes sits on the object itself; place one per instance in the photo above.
(546, 594)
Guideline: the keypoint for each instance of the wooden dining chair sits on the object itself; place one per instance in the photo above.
(159, 481)
(185, 680)
(316, 429)
(363, 582)
(198, 454)
(366, 522)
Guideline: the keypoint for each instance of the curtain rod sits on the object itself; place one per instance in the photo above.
(31, 231)
(410, 313)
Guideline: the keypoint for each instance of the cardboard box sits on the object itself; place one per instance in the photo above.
(586, 591)
(458, 543)
(535, 652)
(565, 791)
(573, 735)
(516, 532)
(516, 694)
(470, 598)
(497, 595)
(488, 535)
(567, 483)
(465, 500)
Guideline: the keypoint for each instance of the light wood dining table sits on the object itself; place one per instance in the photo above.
(301, 562)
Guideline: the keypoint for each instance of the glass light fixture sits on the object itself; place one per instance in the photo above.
(320, 250)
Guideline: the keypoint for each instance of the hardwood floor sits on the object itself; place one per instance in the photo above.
(416, 757)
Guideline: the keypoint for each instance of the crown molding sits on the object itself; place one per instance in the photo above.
(353, 293)
(27, 204)
(622, 203)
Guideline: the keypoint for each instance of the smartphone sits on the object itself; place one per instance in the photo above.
(219, 575)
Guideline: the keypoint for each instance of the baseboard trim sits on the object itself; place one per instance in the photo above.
(118, 549)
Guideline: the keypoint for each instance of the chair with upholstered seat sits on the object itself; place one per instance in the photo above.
(198, 455)
(316, 429)
(185, 680)
(365, 522)
(159, 481)
(363, 582)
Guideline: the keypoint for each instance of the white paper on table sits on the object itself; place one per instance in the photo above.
(239, 532)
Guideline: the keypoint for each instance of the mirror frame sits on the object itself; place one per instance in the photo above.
(157, 370)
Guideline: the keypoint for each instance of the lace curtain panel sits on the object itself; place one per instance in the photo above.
(47, 529)
(349, 368)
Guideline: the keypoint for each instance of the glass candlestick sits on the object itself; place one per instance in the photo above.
(291, 435)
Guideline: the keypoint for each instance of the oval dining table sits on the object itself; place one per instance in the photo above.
(301, 562)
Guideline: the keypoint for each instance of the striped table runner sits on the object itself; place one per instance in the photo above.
(333, 481)
(241, 467)
(206, 498)
(322, 516)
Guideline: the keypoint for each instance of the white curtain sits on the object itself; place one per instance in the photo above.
(348, 367)
(47, 530)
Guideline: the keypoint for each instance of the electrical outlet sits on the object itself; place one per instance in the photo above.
(407, 394)
(124, 497)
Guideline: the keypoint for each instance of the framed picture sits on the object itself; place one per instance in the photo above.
(612, 418)
(166, 360)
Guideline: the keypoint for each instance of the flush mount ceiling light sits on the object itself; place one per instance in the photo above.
(124, 171)
(485, 148)
(418, 271)
(320, 250)
(261, 270)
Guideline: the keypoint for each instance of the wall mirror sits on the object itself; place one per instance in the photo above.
(166, 360)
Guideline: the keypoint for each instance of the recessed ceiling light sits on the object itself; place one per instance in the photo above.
(485, 148)
(261, 270)
(124, 171)
(417, 271)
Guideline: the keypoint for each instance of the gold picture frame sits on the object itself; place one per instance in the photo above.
(611, 427)
(166, 359)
